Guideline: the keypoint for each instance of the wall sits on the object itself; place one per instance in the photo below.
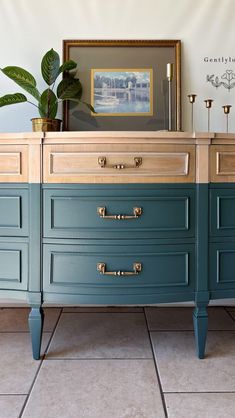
(28, 28)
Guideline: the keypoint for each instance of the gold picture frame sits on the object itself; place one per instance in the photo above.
(125, 54)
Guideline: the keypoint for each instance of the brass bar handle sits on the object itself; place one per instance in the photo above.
(102, 161)
(137, 212)
(137, 267)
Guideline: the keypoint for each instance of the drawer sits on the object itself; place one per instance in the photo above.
(13, 163)
(83, 268)
(222, 163)
(14, 266)
(222, 266)
(13, 212)
(222, 209)
(117, 163)
(81, 214)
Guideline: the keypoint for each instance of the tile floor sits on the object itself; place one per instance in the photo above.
(117, 363)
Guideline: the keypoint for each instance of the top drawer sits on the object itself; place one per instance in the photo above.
(13, 163)
(119, 163)
(222, 163)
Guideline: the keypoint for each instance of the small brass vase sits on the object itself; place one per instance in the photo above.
(46, 124)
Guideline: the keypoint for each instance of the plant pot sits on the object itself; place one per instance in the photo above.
(46, 124)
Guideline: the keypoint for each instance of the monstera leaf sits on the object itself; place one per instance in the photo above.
(50, 66)
(48, 104)
(23, 78)
(9, 99)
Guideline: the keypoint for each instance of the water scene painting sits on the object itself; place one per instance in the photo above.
(122, 92)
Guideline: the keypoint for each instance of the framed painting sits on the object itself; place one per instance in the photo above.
(126, 83)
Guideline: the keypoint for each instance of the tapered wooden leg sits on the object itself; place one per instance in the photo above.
(200, 320)
(36, 318)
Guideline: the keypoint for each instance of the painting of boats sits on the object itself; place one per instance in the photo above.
(122, 92)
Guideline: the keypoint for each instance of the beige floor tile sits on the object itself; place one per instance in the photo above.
(17, 367)
(10, 405)
(200, 405)
(16, 319)
(101, 335)
(96, 389)
(180, 369)
(181, 319)
(103, 309)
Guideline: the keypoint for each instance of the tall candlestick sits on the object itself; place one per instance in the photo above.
(169, 71)
(226, 112)
(169, 75)
(208, 106)
(192, 98)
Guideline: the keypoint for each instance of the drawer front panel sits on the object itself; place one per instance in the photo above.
(222, 266)
(14, 266)
(13, 163)
(100, 163)
(75, 214)
(222, 212)
(73, 268)
(222, 163)
(13, 212)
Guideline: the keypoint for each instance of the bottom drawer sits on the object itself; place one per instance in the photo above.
(222, 266)
(136, 269)
(13, 266)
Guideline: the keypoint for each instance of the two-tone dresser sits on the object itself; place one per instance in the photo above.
(113, 218)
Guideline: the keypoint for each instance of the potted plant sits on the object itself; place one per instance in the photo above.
(69, 88)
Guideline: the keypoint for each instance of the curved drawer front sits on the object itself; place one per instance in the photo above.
(13, 212)
(117, 163)
(222, 212)
(97, 269)
(13, 163)
(14, 266)
(80, 214)
(222, 163)
(222, 266)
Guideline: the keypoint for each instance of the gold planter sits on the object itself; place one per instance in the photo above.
(46, 124)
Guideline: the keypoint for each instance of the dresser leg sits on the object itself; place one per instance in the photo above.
(36, 318)
(200, 320)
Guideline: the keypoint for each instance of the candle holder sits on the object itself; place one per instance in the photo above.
(208, 106)
(192, 98)
(169, 75)
(226, 112)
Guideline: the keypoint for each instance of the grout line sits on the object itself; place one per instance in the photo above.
(39, 368)
(97, 358)
(156, 369)
(13, 394)
(191, 330)
(107, 312)
(199, 392)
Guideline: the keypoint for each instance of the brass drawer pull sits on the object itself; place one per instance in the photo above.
(137, 267)
(137, 212)
(103, 163)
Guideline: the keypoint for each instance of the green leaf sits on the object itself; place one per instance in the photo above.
(23, 78)
(67, 66)
(69, 87)
(48, 104)
(50, 66)
(15, 98)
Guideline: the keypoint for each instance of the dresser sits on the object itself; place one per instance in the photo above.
(116, 218)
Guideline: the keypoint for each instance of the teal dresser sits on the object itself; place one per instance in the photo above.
(113, 218)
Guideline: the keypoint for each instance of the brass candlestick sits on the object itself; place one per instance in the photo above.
(226, 112)
(208, 106)
(169, 75)
(192, 98)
